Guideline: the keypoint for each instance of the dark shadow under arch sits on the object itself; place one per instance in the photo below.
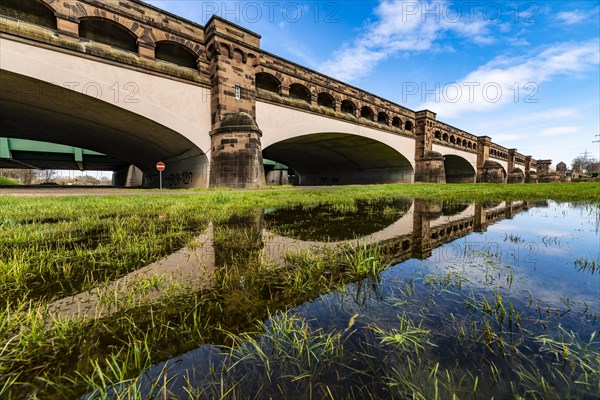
(268, 82)
(108, 32)
(458, 170)
(300, 92)
(340, 158)
(50, 113)
(176, 53)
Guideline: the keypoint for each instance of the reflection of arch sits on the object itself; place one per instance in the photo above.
(267, 82)
(32, 11)
(300, 92)
(323, 223)
(326, 100)
(367, 113)
(176, 53)
(348, 107)
(108, 32)
(340, 158)
(383, 118)
(397, 122)
(458, 170)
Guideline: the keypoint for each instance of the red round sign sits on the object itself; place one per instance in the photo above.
(160, 166)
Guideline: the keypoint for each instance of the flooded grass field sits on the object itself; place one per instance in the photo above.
(357, 293)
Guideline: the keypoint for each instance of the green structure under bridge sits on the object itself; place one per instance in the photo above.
(29, 154)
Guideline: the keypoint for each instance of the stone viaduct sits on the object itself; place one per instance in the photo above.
(141, 85)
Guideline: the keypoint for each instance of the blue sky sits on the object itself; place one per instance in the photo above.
(525, 73)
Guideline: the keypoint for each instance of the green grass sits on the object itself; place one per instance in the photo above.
(55, 247)
(8, 182)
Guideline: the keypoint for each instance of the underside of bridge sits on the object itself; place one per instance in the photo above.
(339, 158)
(35, 110)
(458, 170)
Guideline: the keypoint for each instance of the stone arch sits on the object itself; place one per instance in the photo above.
(300, 92)
(238, 55)
(108, 32)
(33, 11)
(397, 122)
(326, 100)
(438, 135)
(266, 81)
(408, 126)
(348, 107)
(464, 143)
(367, 113)
(176, 53)
(452, 139)
(458, 170)
(383, 118)
(445, 137)
(340, 158)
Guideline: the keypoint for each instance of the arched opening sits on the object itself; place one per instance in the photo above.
(470, 145)
(367, 113)
(340, 158)
(89, 123)
(32, 11)
(452, 139)
(474, 146)
(177, 54)
(408, 126)
(397, 122)
(300, 92)
(108, 32)
(326, 100)
(458, 170)
(348, 107)
(267, 82)
(464, 143)
(383, 118)
(438, 135)
(445, 137)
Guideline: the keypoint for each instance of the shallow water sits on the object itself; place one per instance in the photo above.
(480, 301)
(493, 285)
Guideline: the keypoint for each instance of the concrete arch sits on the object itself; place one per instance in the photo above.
(458, 169)
(76, 102)
(329, 151)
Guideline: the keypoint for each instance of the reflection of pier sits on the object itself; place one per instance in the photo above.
(243, 240)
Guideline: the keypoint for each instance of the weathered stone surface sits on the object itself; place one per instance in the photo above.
(493, 172)
(516, 175)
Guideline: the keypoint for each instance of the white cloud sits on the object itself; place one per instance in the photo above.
(571, 17)
(559, 131)
(401, 26)
(495, 83)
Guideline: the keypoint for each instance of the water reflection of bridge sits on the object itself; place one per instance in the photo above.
(243, 240)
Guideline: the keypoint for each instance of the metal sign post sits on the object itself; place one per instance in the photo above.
(160, 166)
